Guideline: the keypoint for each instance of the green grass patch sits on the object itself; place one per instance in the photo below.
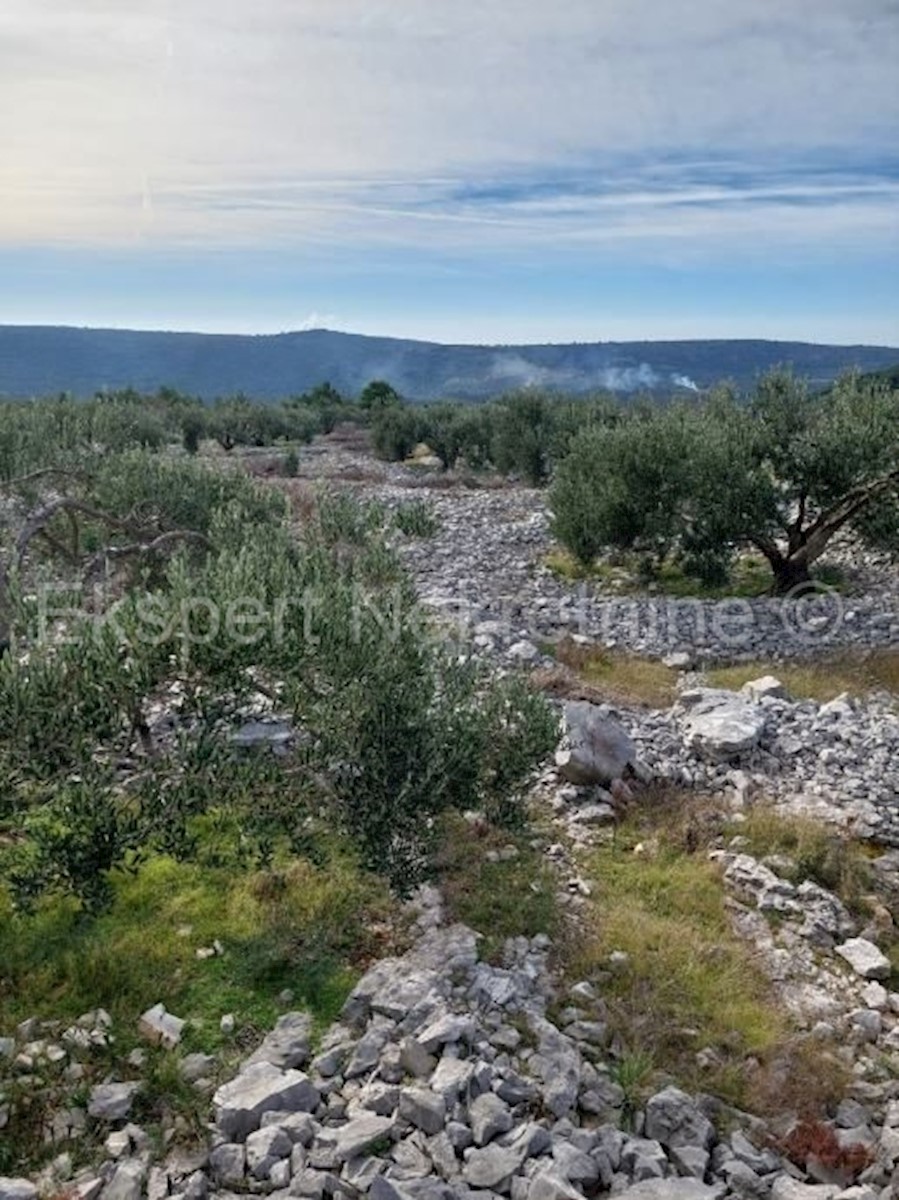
(498, 897)
(821, 679)
(628, 575)
(300, 927)
(820, 853)
(688, 983)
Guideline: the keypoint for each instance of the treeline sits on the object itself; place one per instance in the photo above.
(127, 419)
(523, 434)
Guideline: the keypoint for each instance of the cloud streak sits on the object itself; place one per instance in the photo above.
(214, 121)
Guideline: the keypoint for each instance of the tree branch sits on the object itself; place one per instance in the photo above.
(43, 473)
(834, 518)
(42, 516)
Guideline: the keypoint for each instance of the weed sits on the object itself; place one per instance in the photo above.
(620, 677)
(821, 679)
(416, 518)
(813, 1141)
(500, 897)
(819, 853)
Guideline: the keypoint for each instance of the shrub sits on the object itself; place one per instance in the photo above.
(395, 433)
(394, 729)
(416, 519)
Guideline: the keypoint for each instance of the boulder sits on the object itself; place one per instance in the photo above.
(865, 958)
(787, 1188)
(258, 1089)
(598, 751)
(720, 725)
(17, 1189)
(488, 1116)
(673, 1189)
(492, 1166)
(360, 1134)
(127, 1182)
(288, 1044)
(423, 1108)
(767, 686)
(159, 1027)
(673, 1119)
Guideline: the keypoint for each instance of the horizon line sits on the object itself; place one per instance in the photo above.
(434, 342)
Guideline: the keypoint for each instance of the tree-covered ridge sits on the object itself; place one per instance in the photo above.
(38, 361)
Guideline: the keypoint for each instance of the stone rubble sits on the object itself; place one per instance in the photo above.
(446, 1079)
(450, 1078)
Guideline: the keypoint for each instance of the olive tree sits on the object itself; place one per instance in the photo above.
(782, 473)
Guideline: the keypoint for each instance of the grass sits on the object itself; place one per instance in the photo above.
(297, 926)
(822, 679)
(619, 677)
(302, 927)
(751, 576)
(689, 983)
(820, 853)
(500, 899)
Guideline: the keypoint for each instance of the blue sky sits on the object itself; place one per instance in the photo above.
(480, 170)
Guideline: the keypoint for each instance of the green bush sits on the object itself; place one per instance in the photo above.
(416, 519)
(393, 729)
(395, 433)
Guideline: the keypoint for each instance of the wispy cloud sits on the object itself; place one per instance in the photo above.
(401, 121)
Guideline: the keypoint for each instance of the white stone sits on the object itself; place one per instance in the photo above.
(261, 1088)
(865, 958)
(160, 1028)
(767, 685)
(786, 1188)
(720, 725)
(112, 1101)
(17, 1189)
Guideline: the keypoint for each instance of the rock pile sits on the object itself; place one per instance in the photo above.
(445, 1079)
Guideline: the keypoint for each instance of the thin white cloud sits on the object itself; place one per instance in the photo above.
(213, 122)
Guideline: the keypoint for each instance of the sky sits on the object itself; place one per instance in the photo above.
(457, 170)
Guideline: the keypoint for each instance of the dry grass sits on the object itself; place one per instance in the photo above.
(689, 983)
(805, 1077)
(822, 679)
(821, 853)
(617, 677)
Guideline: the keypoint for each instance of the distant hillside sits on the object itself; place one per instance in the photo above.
(37, 360)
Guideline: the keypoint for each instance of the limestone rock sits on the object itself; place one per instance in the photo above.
(112, 1101)
(258, 1089)
(787, 1188)
(720, 725)
(673, 1189)
(865, 958)
(159, 1027)
(17, 1189)
(489, 1117)
(599, 750)
(288, 1044)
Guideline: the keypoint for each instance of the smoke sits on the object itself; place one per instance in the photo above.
(513, 370)
(633, 379)
(629, 379)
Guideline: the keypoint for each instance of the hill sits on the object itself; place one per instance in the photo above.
(39, 360)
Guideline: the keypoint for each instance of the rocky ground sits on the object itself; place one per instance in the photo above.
(448, 1078)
